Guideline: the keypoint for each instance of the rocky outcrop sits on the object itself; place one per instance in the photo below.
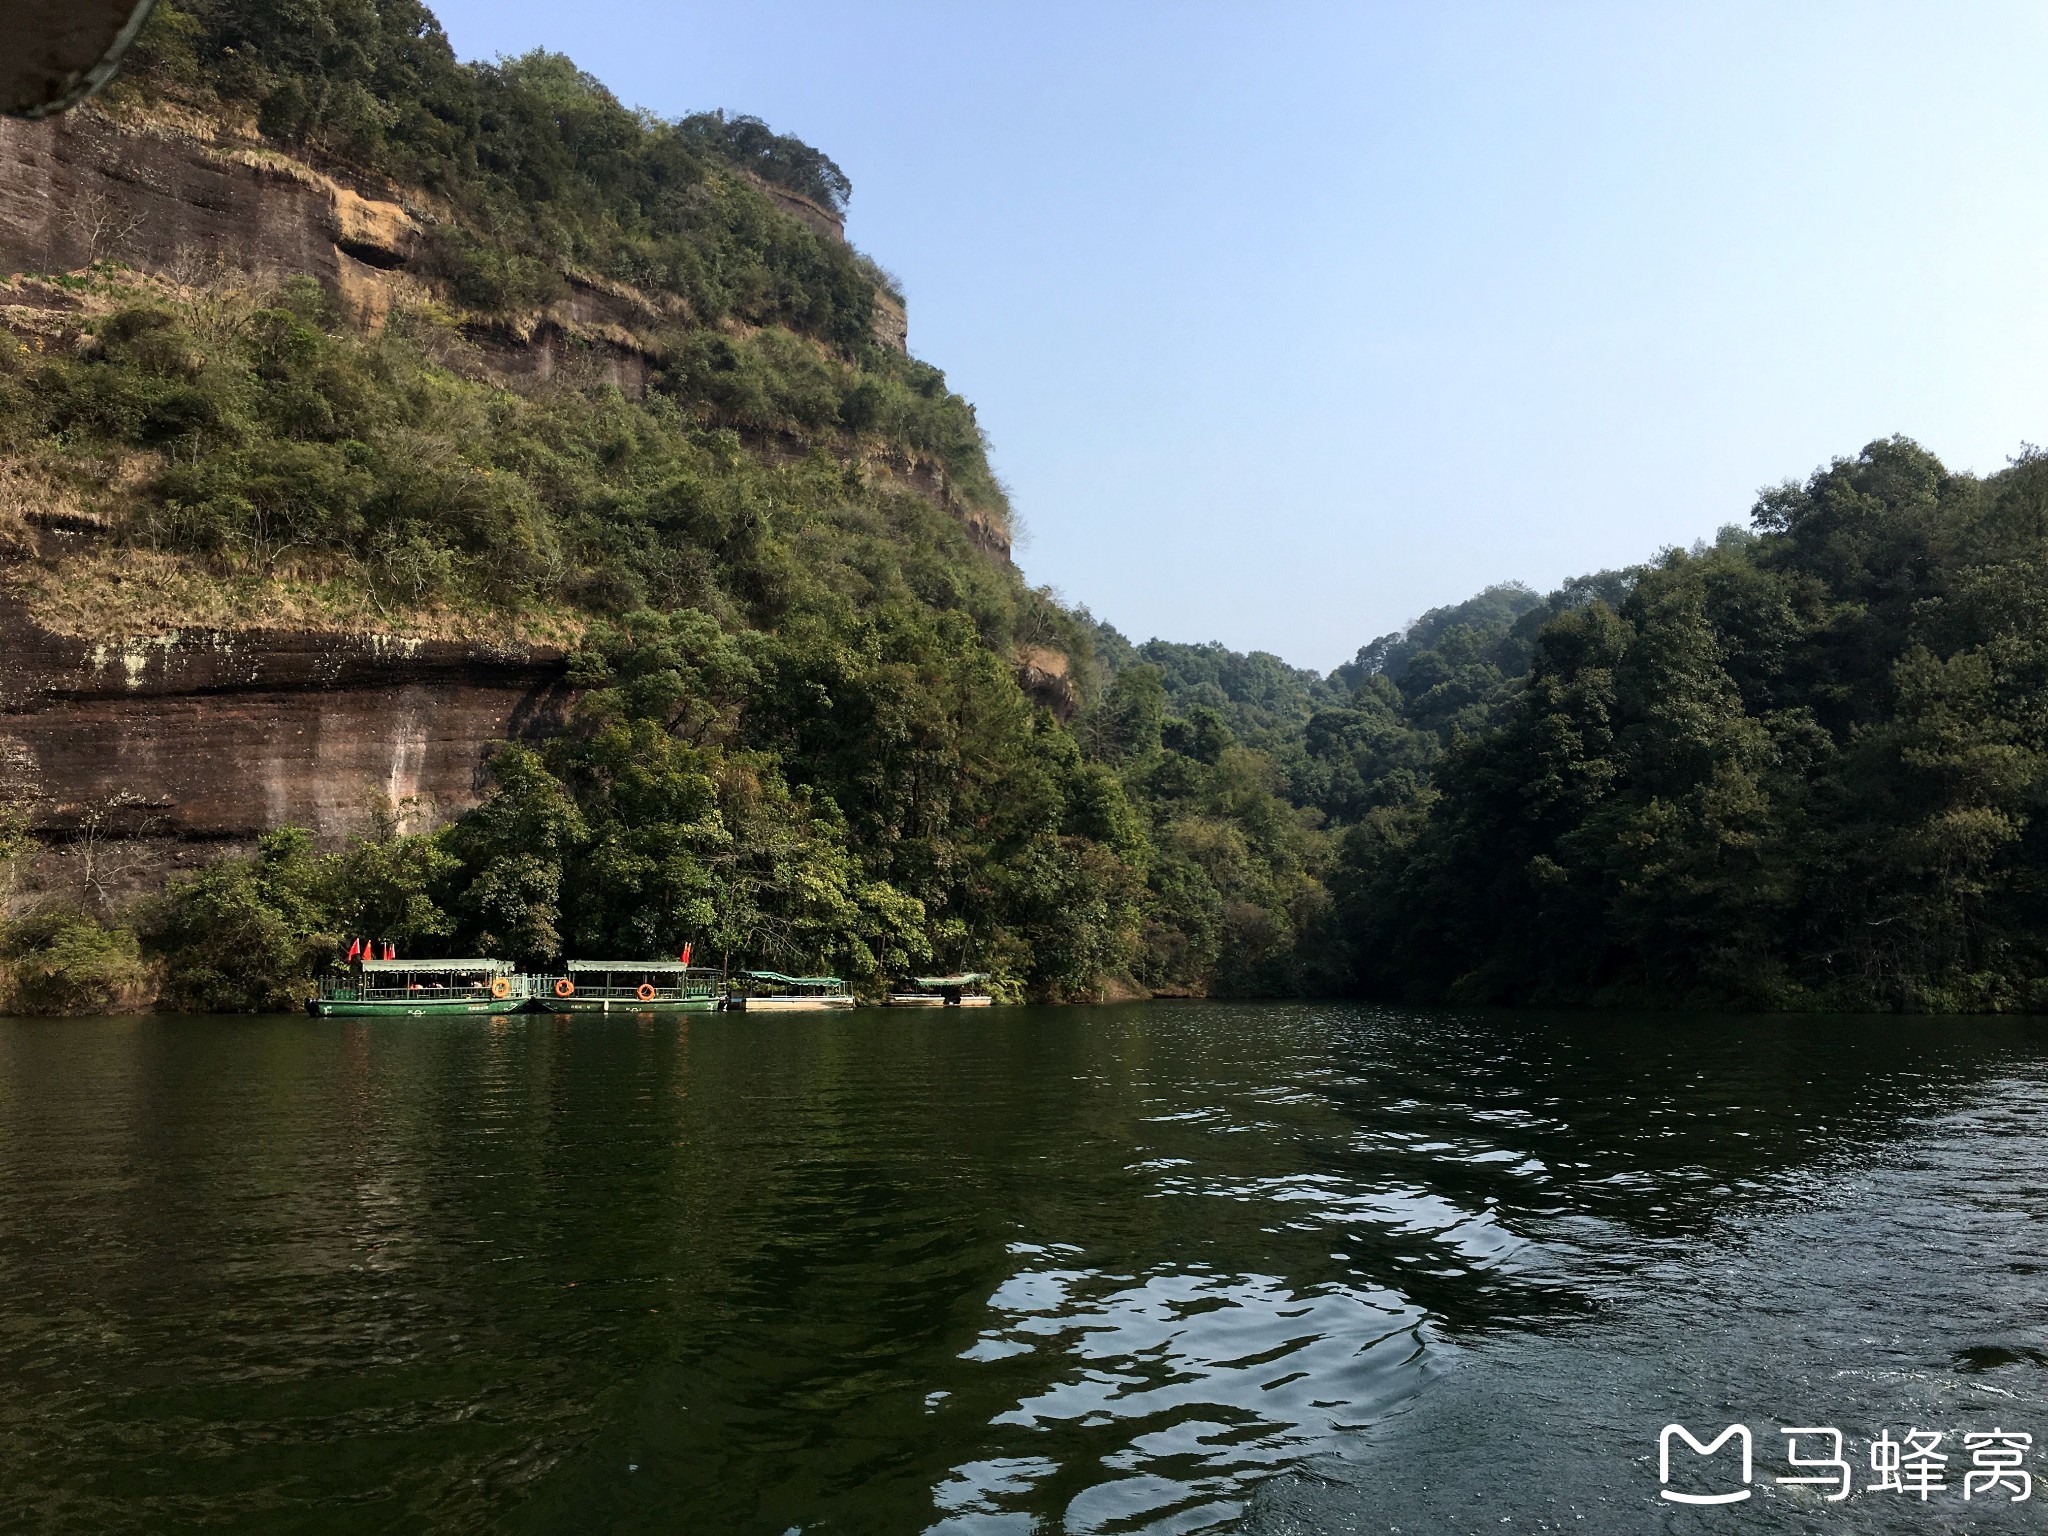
(892, 322)
(85, 188)
(181, 198)
(182, 201)
(1046, 675)
(213, 737)
(823, 220)
(587, 337)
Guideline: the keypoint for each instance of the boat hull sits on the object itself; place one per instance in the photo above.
(630, 1005)
(790, 1004)
(914, 1000)
(397, 1008)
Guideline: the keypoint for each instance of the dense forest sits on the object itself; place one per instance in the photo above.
(1801, 767)
(1796, 768)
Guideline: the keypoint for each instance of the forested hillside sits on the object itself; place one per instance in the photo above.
(803, 738)
(822, 723)
(1801, 768)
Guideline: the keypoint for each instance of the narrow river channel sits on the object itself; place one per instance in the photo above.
(1166, 1267)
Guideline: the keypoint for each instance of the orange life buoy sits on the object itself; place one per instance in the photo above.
(501, 987)
(646, 992)
(565, 988)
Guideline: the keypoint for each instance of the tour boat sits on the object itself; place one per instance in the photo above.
(631, 986)
(417, 988)
(964, 991)
(773, 992)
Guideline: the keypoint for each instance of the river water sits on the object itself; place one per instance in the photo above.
(1167, 1267)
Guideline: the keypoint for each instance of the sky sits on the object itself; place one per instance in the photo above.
(1289, 322)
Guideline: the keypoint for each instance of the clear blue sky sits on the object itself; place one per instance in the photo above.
(1289, 322)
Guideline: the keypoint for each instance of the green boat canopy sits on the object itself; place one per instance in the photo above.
(438, 967)
(935, 982)
(792, 981)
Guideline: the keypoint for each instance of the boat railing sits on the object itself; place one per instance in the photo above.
(691, 990)
(397, 981)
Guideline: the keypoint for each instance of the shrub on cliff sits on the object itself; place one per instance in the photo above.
(266, 438)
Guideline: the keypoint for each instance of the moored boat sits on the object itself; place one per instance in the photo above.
(967, 990)
(419, 988)
(631, 986)
(773, 992)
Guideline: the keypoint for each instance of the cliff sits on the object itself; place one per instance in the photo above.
(180, 742)
(189, 736)
(185, 195)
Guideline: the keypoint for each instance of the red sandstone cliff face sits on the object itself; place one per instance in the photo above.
(83, 188)
(170, 199)
(175, 197)
(178, 743)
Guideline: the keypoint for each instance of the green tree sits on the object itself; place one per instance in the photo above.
(244, 935)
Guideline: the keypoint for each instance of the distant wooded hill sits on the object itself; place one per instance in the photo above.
(1800, 768)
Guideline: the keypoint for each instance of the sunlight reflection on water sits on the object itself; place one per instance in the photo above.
(1211, 1380)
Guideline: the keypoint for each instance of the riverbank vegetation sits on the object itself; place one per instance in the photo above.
(1799, 767)
(1803, 767)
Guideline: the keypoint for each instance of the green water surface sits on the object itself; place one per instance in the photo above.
(1162, 1267)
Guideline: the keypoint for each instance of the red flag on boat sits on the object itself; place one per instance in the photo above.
(355, 950)
(390, 950)
(686, 953)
